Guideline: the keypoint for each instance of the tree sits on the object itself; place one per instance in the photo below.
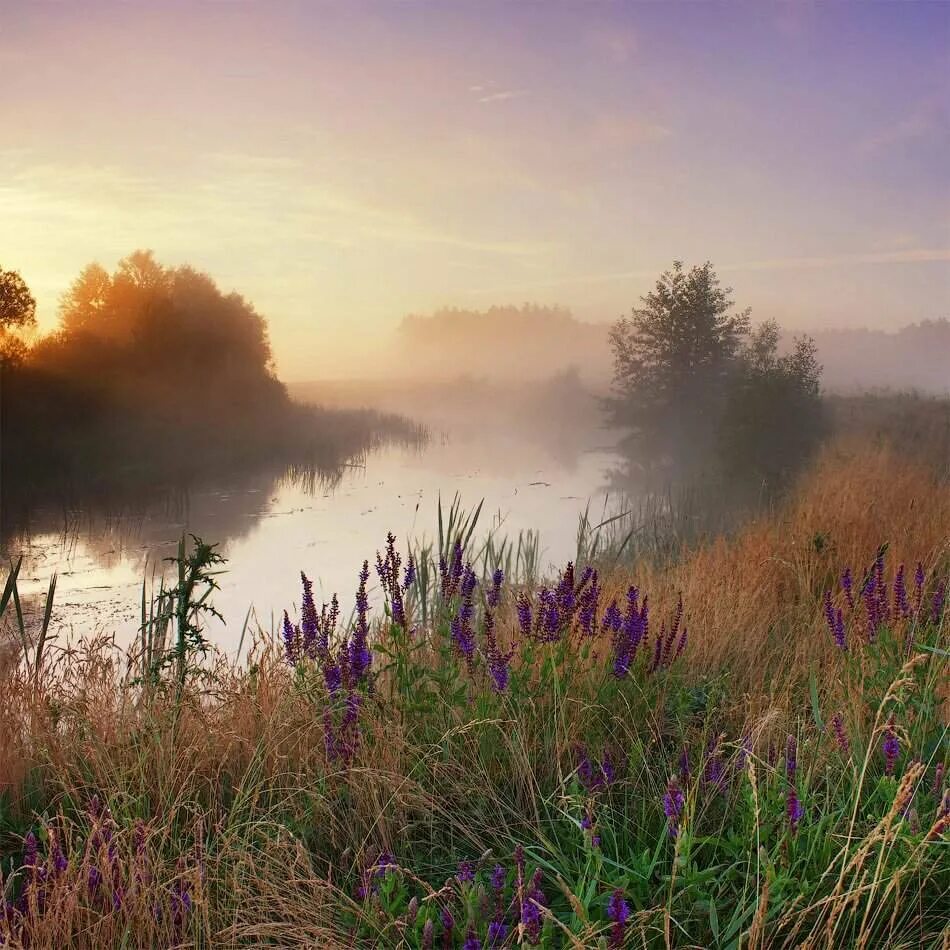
(673, 358)
(774, 418)
(17, 313)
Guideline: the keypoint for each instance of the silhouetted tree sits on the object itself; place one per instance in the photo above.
(774, 418)
(17, 306)
(17, 313)
(673, 358)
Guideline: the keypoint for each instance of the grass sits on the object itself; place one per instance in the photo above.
(760, 787)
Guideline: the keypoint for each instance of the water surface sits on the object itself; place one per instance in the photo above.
(270, 528)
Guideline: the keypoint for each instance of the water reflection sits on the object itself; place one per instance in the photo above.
(273, 525)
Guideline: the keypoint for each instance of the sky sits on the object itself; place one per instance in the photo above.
(344, 164)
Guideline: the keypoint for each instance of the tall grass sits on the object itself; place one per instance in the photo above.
(760, 788)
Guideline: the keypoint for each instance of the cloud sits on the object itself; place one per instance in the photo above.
(504, 95)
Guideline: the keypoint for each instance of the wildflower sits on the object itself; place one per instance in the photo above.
(847, 585)
(464, 639)
(791, 758)
(835, 622)
(494, 592)
(564, 592)
(409, 578)
(465, 873)
(673, 804)
(531, 919)
(837, 727)
(612, 619)
(918, 587)
(549, 616)
(471, 941)
(360, 658)
(31, 857)
(428, 932)
(714, 772)
(497, 878)
(890, 747)
(497, 661)
(448, 925)
(291, 635)
(618, 912)
(497, 932)
(901, 607)
(587, 613)
(793, 807)
(309, 624)
(524, 614)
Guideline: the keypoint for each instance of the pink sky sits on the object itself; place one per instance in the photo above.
(342, 164)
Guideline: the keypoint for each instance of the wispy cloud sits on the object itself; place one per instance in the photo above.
(491, 91)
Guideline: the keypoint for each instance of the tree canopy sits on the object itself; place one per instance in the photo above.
(698, 389)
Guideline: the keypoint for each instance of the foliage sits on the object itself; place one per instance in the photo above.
(773, 419)
(673, 358)
(701, 393)
(17, 304)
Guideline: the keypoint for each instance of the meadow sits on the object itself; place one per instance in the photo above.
(737, 742)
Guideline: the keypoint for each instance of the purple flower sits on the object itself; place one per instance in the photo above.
(714, 774)
(428, 933)
(793, 808)
(612, 618)
(309, 625)
(847, 585)
(471, 941)
(465, 873)
(618, 913)
(901, 607)
(498, 662)
(497, 878)
(291, 635)
(673, 803)
(448, 925)
(549, 616)
(891, 748)
(494, 592)
(31, 852)
(835, 622)
(937, 788)
(497, 932)
(410, 576)
(918, 587)
(841, 737)
(791, 758)
(524, 614)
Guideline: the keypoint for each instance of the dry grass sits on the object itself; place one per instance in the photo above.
(241, 766)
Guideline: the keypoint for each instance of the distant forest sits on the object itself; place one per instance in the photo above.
(534, 341)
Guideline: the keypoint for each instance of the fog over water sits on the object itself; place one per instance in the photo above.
(272, 528)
